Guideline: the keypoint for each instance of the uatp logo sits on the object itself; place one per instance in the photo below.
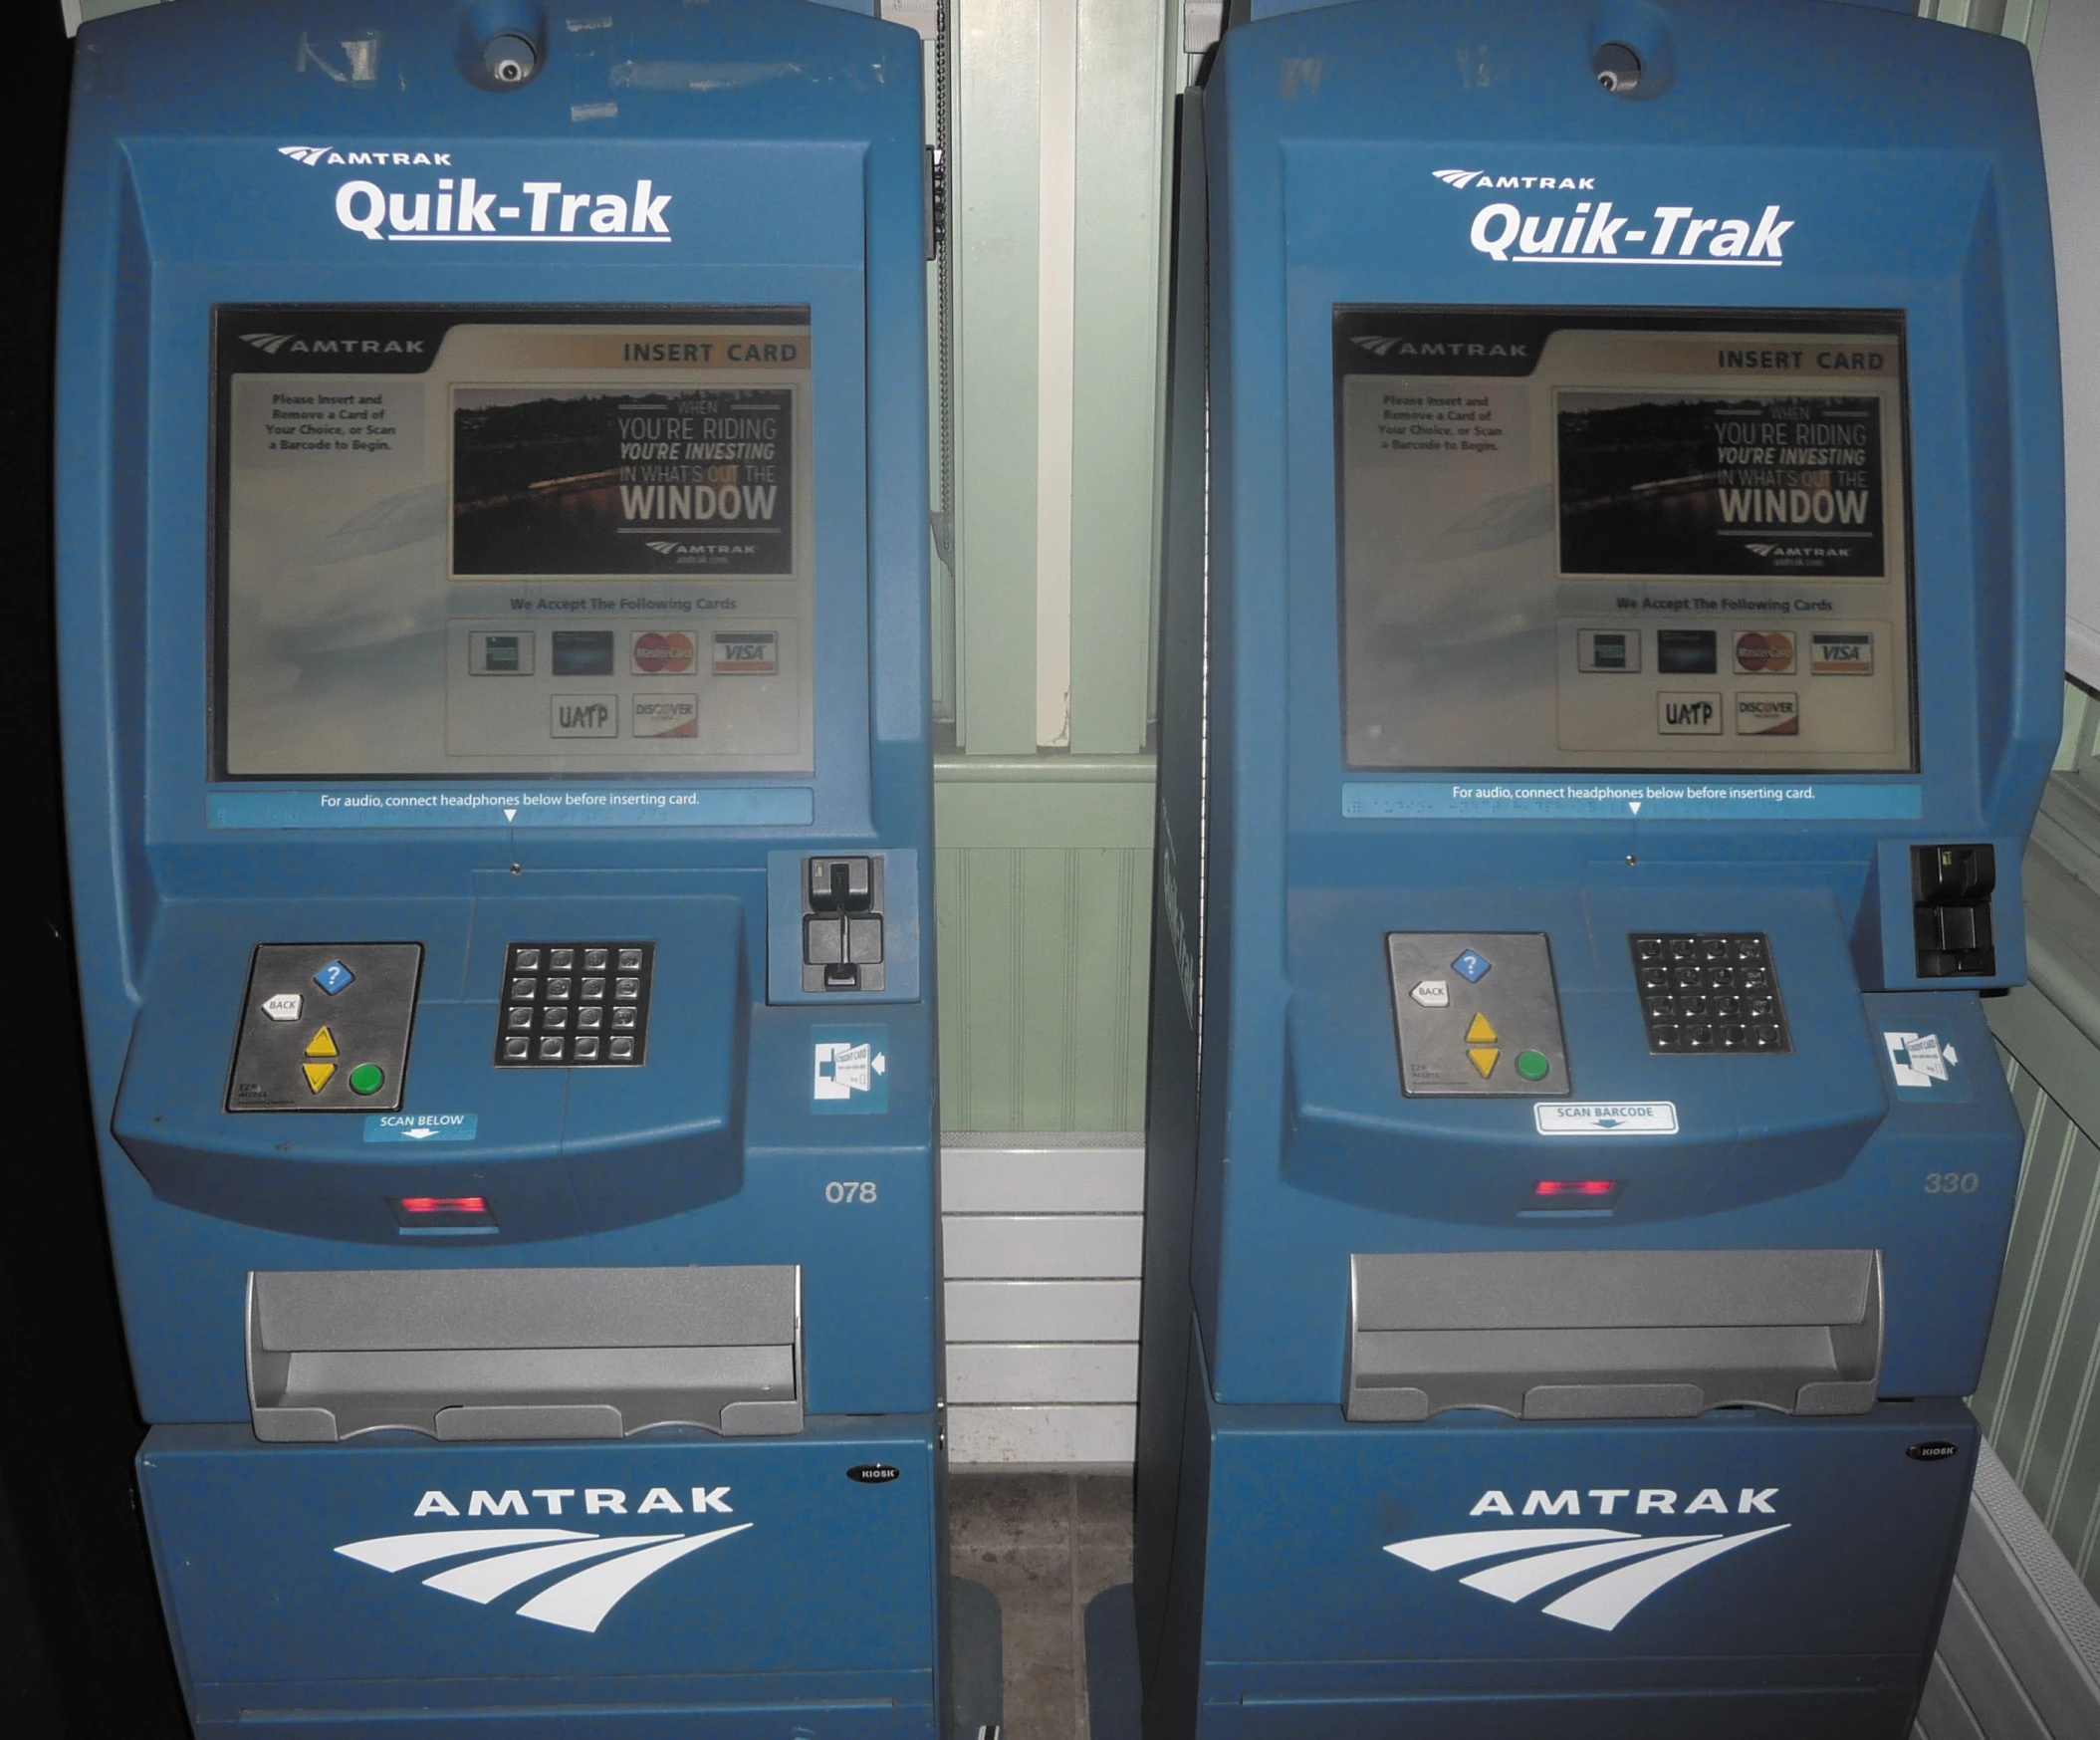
(1612, 1571)
(497, 1562)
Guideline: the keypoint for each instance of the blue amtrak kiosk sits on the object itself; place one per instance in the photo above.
(1601, 717)
(491, 513)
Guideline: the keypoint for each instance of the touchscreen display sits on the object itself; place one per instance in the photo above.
(1600, 539)
(468, 541)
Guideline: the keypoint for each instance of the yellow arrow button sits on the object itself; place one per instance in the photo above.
(322, 1044)
(1484, 1058)
(1479, 1032)
(318, 1074)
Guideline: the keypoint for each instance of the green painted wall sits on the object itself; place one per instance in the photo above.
(1044, 890)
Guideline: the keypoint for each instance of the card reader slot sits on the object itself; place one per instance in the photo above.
(510, 1354)
(1613, 1335)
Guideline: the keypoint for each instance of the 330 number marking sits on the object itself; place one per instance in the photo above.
(1951, 1183)
(852, 1190)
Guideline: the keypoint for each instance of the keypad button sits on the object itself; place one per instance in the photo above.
(1712, 992)
(555, 990)
(622, 1049)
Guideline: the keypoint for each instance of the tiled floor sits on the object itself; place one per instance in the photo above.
(1046, 1545)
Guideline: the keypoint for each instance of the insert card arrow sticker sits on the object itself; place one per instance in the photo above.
(1605, 1118)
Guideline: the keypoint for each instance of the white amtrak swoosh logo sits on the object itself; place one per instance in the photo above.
(1458, 177)
(1550, 1556)
(506, 1558)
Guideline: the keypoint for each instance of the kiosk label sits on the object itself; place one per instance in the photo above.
(1606, 1118)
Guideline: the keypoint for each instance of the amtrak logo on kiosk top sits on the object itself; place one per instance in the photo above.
(1677, 235)
(1616, 1568)
(499, 1561)
(462, 209)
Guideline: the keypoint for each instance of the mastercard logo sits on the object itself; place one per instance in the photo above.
(1765, 652)
(664, 653)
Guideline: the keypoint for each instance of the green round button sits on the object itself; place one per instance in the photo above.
(1532, 1065)
(369, 1078)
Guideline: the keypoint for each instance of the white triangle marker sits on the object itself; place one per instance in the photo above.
(1634, 805)
(512, 815)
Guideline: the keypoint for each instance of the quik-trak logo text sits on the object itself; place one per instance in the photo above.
(595, 1571)
(1677, 235)
(1607, 1572)
(463, 209)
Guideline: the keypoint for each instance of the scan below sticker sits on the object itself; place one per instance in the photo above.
(1605, 1118)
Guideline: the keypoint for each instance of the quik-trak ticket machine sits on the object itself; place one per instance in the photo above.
(1579, 1162)
(493, 543)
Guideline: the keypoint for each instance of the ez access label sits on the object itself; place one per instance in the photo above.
(1605, 1118)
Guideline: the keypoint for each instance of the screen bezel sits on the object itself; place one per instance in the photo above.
(1348, 318)
(226, 319)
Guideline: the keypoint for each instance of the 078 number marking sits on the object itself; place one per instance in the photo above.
(1951, 1183)
(851, 1190)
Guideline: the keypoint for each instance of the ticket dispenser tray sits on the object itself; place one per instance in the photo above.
(467, 1354)
(1614, 1334)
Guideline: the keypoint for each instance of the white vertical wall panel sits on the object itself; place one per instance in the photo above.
(1061, 1435)
(1044, 1241)
(1021, 1247)
(1042, 1311)
(1015, 1180)
(1046, 1372)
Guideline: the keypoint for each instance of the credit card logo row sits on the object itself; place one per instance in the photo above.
(600, 715)
(1697, 651)
(1758, 713)
(596, 652)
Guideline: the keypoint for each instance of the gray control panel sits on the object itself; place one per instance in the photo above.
(1476, 1013)
(325, 1027)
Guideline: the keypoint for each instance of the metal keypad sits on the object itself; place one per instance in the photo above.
(575, 1002)
(1715, 991)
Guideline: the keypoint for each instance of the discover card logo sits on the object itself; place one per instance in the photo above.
(1612, 1571)
(500, 1562)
